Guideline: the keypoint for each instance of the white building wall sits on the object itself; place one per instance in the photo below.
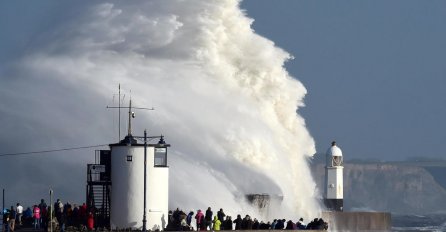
(335, 183)
(127, 191)
(157, 195)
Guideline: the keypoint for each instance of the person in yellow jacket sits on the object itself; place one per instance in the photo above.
(217, 223)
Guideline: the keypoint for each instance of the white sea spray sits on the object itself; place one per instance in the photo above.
(222, 96)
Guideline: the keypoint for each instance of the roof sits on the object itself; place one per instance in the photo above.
(334, 151)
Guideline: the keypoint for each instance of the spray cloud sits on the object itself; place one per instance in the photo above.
(222, 96)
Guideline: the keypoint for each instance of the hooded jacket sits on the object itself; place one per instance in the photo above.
(199, 217)
(217, 223)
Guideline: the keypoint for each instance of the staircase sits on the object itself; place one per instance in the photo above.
(101, 199)
(98, 197)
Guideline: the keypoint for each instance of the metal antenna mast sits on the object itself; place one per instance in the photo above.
(119, 117)
(131, 113)
(119, 109)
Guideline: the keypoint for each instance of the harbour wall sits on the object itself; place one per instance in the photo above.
(358, 221)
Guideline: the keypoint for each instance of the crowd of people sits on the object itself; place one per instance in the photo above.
(180, 221)
(39, 216)
(78, 216)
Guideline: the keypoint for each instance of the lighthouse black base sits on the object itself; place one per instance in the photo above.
(334, 204)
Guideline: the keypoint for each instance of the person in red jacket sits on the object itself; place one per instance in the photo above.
(90, 221)
(36, 212)
(83, 214)
(199, 217)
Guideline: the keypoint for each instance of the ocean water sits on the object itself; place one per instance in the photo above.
(430, 222)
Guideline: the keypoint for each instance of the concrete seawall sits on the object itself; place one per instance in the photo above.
(358, 221)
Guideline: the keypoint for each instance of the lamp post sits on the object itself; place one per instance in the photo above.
(163, 144)
(144, 220)
(51, 210)
(3, 210)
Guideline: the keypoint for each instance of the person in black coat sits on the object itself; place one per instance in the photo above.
(228, 223)
(280, 224)
(208, 218)
(289, 225)
(221, 215)
(255, 224)
(238, 222)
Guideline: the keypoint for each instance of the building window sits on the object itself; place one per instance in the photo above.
(160, 157)
(336, 161)
(129, 158)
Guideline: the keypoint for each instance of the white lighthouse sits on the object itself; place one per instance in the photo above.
(334, 189)
(139, 193)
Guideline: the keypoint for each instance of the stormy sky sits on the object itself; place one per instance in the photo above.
(375, 72)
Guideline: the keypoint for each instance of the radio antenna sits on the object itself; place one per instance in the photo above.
(131, 113)
(119, 117)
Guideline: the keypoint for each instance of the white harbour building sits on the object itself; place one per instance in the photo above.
(128, 186)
